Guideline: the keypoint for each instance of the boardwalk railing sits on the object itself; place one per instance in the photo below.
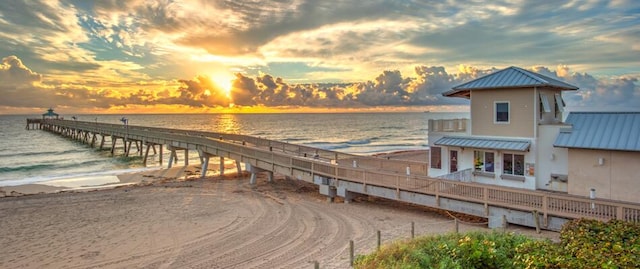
(465, 175)
(299, 161)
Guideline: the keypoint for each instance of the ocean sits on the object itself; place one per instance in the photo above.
(36, 156)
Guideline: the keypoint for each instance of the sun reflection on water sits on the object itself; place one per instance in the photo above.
(227, 123)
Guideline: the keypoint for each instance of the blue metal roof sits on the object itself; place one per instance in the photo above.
(601, 130)
(511, 77)
(484, 143)
(50, 113)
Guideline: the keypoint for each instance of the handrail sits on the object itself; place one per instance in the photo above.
(288, 155)
(301, 150)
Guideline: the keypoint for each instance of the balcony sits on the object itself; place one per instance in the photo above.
(448, 125)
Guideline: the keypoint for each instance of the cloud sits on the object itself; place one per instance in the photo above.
(15, 74)
(46, 31)
(618, 93)
(24, 88)
(357, 40)
(199, 92)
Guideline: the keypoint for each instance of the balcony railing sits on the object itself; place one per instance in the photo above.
(448, 125)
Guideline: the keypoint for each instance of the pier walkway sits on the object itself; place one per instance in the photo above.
(347, 176)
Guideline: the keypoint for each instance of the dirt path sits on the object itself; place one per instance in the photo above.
(212, 223)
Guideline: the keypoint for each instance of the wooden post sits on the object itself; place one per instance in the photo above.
(378, 239)
(316, 265)
(413, 230)
(351, 252)
(456, 226)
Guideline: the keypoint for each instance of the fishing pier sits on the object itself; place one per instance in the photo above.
(345, 175)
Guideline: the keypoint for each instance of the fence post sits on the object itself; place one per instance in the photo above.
(413, 229)
(455, 225)
(351, 252)
(378, 239)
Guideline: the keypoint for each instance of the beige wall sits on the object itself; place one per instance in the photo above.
(617, 178)
(522, 112)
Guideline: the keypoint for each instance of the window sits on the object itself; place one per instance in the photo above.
(545, 103)
(513, 164)
(484, 161)
(436, 157)
(559, 106)
(502, 112)
(559, 102)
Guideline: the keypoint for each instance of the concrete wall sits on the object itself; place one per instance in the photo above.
(477, 209)
(616, 179)
(522, 112)
(551, 160)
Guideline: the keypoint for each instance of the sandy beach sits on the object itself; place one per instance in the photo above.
(173, 221)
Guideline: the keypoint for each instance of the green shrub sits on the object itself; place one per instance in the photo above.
(586, 244)
(583, 244)
(472, 250)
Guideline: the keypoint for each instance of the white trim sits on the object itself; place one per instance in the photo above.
(536, 109)
(495, 112)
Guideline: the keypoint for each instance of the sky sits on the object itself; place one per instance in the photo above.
(133, 56)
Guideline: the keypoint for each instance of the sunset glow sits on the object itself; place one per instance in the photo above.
(147, 56)
(224, 81)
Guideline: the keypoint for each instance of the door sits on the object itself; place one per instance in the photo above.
(453, 161)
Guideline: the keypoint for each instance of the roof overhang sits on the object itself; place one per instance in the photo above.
(458, 93)
(484, 143)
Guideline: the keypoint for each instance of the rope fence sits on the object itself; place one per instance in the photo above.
(373, 241)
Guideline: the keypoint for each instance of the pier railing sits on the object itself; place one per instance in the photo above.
(300, 162)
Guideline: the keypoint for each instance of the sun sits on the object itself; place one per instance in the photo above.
(224, 81)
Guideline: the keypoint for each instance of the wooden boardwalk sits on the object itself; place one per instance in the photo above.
(346, 175)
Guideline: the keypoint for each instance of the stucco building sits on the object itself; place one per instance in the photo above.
(516, 137)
